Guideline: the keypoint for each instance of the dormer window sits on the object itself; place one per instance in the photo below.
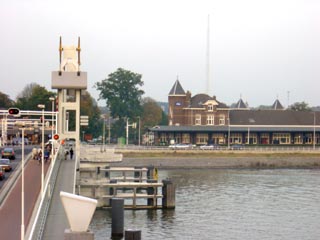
(210, 108)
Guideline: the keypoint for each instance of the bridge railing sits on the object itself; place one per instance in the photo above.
(37, 223)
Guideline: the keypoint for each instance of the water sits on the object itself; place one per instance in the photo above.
(230, 204)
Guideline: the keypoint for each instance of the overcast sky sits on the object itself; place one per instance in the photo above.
(260, 49)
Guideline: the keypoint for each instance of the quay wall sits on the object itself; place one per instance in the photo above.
(184, 160)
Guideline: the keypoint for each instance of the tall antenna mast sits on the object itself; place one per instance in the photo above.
(208, 57)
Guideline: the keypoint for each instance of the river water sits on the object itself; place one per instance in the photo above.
(230, 204)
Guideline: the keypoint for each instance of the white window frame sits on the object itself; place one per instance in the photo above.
(210, 119)
(197, 119)
(210, 108)
(222, 120)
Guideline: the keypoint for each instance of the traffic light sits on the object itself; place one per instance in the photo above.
(13, 111)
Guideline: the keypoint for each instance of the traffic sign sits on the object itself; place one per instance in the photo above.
(56, 137)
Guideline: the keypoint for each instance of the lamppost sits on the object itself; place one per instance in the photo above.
(22, 183)
(139, 130)
(42, 106)
(228, 129)
(314, 130)
(52, 101)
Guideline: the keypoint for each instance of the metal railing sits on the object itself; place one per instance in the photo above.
(42, 206)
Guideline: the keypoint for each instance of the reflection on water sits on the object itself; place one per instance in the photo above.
(230, 204)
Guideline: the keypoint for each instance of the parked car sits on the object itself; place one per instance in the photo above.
(237, 147)
(181, 146)
(5, 164)
(2, 176)
(210, 147)
(8, 153)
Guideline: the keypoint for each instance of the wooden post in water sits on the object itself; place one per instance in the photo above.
(151, 191)
(169, 194)
(117, 214)
(132, 234)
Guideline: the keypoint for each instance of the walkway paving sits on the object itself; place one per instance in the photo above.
(57, 220)
(10, 212)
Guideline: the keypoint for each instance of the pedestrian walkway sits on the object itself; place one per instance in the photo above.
(10, 211)
(57, 220)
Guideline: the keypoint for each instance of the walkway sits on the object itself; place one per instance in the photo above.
(57, 220)
(10, 212)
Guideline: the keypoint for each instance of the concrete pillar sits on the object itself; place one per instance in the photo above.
(169, 194)
(132, 234)
(117, 214)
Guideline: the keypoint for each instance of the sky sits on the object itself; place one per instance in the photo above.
(260, 50)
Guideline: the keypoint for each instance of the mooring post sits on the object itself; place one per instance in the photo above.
(150, 172)
(107, 174)
(117, 214)
(151, 191)
(169, 194)
(132, 234)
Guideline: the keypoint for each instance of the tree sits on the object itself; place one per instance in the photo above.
(32, 95)
(300, 106)
(89, 107)
(152, 113)
(5, 101)
(122, 93)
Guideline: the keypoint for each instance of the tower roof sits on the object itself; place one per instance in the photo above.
(277, 105)
(241, 105)
(177, 89)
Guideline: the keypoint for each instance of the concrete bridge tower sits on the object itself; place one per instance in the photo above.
(69, 81)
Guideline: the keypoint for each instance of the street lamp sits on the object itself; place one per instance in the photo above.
(52, 101)
(314, 130)
(228, 129)
(139, 130)
(42, 106)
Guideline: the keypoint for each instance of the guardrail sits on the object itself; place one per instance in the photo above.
(42, 206)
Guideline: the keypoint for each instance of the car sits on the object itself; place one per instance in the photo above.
(181, 146)
(5, 164)
(2, 176)
(237, 147)
(210, 147)
(8, 153)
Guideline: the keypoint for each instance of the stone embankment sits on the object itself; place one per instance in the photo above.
(196, 159)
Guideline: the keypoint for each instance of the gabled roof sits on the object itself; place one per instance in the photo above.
(241, 105)
(177, 89)
(277, 105)
(200, 100)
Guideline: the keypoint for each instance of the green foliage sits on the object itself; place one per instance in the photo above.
(300, 106)
(152, 113)
(90, 108)
(5, 101)
(32, 95)
(122, 93)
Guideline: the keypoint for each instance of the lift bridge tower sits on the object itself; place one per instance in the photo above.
(69, 81)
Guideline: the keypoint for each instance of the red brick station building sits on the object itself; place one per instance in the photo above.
(202, 119)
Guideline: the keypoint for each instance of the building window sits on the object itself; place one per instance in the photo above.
(202, 138)
(222, 120)
(253, 139)
(210, 119)
(210, 108)
(198, 119)
(185, 138)
(218, 138)
(298, 138)
(281, 138)
(264, 138)
(236, 138)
